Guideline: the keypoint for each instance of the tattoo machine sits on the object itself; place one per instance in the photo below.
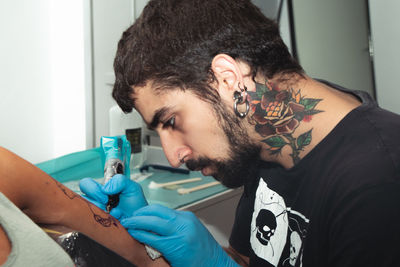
(117, 152)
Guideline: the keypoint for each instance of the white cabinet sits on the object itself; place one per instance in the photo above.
(217, 213)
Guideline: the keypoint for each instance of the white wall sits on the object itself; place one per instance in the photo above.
(110, 19)
(385, 27)
(41, 78)
(270, 9)
(284, 26)
(332, 41)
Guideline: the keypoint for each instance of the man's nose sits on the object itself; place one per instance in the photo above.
(175, 150)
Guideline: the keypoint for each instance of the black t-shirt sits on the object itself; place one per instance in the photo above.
(339, 206)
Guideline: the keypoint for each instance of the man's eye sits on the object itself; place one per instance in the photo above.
(169, 123)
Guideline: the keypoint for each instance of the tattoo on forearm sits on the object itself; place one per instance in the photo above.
(70, 195)
(277, 114)
(107, 221)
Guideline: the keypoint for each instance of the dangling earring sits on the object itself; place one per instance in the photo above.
(240, 98)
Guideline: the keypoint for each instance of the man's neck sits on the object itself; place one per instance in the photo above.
(290, 119)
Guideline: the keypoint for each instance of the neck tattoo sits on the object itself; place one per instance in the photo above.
(278, 113)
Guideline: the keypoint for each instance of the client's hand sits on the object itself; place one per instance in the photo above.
(178, 235)
(131, 195)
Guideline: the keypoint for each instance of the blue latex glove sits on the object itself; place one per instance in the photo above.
(92, 191)
(178, 235)
(131, 195)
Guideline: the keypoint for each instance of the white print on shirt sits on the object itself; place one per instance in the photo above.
(277, 231)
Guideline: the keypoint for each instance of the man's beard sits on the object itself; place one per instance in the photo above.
(243, 158)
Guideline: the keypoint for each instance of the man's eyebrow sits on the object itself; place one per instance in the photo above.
(157, 117)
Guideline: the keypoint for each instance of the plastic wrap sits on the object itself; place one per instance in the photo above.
(86, 252)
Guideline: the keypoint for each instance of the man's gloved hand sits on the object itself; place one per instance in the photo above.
(178, 235)
(131, 195)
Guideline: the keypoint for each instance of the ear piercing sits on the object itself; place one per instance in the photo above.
(181, 159)
(241, 98)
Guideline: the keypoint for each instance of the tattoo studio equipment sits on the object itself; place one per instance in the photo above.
(183, 191)
(70, 169)
(117, 151)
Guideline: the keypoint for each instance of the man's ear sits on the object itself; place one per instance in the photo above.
(227, 72)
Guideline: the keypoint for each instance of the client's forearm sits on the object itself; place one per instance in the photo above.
(47, 201)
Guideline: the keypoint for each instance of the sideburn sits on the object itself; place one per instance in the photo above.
(244, 154)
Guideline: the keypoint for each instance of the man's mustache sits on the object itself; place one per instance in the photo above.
(198, 164)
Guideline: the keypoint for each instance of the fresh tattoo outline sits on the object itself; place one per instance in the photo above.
(104, 221)
(276, 115)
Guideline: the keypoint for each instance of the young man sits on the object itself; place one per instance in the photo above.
(320, 164)
(28, 196)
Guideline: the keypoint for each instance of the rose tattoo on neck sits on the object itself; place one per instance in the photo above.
(277, 114)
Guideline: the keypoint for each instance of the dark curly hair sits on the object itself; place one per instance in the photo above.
(173, 42)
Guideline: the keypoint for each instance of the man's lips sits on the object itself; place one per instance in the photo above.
(205, 167)
(206, 171)
(194, 167)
